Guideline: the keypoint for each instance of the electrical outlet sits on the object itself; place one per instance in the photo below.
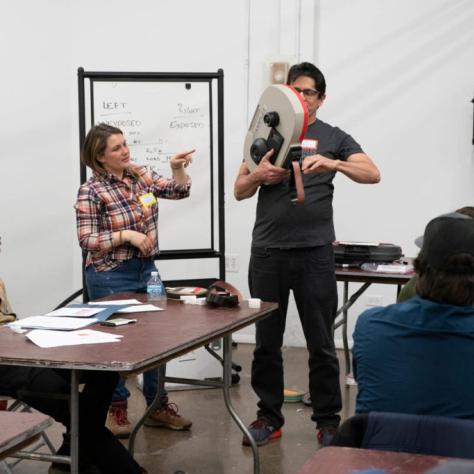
(374, 300)
(232, 263)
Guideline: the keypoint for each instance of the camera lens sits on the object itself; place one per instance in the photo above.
(258, 149)
(272, 119)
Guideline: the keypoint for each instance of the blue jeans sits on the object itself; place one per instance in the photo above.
(131, 275)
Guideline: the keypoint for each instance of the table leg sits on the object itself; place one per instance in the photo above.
(347, 303)
(347, 356)
(227, 377)
(150, 409)
(74, 423)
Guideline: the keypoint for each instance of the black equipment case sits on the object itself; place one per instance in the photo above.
(357, 253)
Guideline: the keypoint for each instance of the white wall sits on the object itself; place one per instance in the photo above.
(37, 161)
(400, 80)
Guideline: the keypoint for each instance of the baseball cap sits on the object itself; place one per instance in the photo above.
(446, 236)
(419, 240)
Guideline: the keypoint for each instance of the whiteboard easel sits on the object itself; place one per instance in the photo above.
(161, 114)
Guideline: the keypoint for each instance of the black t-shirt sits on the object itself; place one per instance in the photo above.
(282, 224)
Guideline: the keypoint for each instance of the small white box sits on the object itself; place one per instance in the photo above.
(255, 302)
(188, 299)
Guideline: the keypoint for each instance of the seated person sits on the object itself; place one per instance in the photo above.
(416, 357)
(99, 450)
(409, 289)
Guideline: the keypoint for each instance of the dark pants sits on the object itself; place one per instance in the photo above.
(97, 445)
(309, 272)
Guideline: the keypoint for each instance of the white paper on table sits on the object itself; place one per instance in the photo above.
(53, 322)
(395, 268)
(112, 302)
(351, 242)
(140, 308)
(79, 312)
(46, 339)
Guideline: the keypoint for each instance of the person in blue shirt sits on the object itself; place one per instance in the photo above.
(416, 356)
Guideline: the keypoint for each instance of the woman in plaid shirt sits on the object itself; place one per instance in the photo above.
(117, 226)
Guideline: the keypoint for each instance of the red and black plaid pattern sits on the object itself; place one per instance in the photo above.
(106, 204)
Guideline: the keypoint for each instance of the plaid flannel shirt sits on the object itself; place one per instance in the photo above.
(106, 204)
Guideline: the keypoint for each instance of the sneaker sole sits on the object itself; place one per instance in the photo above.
(155, 424)
(275, 435)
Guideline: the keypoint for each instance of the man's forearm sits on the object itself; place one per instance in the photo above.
(248, 182)
(365, 173)
(360, 168)
(245, 186)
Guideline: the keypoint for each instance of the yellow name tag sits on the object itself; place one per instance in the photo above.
(147, 199)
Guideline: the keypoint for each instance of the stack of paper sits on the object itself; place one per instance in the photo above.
(115, 302)
(82, 311)
(77, 316)
(395, 268)
(132, 306)
(53, 322)
(45, 338)
(141, 308)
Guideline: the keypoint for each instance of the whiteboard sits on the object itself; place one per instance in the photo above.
(159, 119)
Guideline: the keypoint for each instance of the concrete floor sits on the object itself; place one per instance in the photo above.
(213, 446)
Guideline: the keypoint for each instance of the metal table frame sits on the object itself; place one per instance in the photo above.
(16, 350)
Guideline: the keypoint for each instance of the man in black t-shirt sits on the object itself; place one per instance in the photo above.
(292, 250)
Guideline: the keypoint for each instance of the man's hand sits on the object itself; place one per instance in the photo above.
(247, 182)
(319, 164)
(267, 173)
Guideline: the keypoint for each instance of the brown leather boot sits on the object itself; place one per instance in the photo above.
(167, 416)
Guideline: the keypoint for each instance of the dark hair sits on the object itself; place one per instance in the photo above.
(452, 285)
(467, 211)
(309, 70)
(95, 145)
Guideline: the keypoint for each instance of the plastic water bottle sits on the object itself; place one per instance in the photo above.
(155, 288)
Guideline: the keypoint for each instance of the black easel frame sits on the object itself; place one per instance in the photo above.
(175, 77)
